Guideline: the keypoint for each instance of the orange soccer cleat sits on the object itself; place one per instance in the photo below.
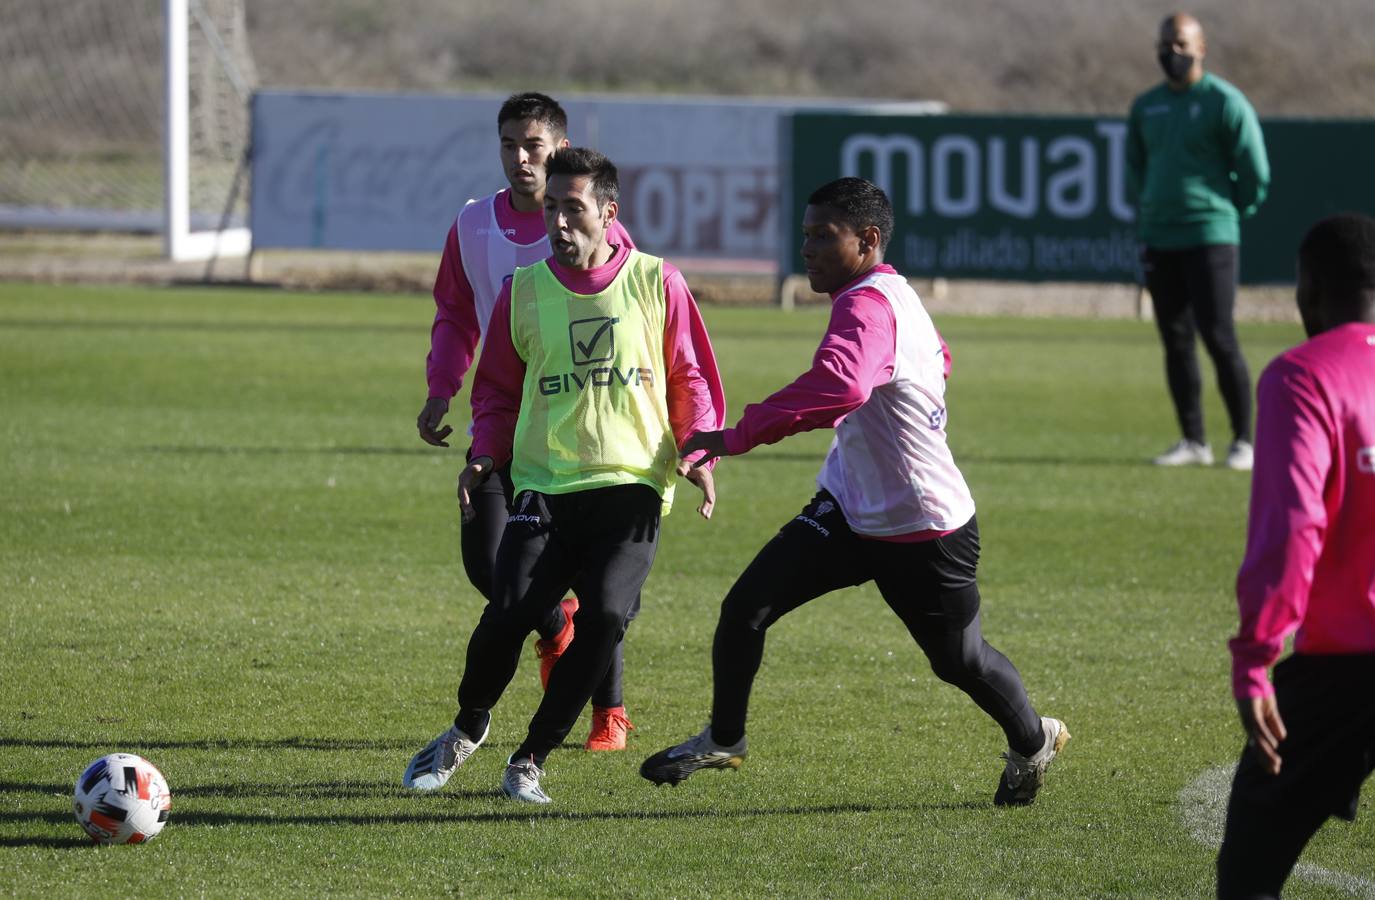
(550, 650)
(609, 727)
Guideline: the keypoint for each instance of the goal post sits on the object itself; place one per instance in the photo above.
(127, 116)
(179, 241)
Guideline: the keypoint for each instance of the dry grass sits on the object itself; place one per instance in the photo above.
(1057, 56)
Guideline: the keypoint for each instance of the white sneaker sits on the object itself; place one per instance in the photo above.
(1024, 775)
(675, 764)
(1186, 453)
(1241, 456)
(432, 766)
(521, 781)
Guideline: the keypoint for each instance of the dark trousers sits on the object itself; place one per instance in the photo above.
(480, 540)
(930, 585)
(1194, 291)
(1328, 753)
(601, 543)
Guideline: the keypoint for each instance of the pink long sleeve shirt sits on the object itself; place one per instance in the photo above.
(882, 366)
(696, 398)
(460, 317)
(1310, 541)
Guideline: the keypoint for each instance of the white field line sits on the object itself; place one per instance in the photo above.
(1203, 809)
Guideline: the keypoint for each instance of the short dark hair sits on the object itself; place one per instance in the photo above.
(534, 107)
(860, 204)
(606, 184)
(1338, 256)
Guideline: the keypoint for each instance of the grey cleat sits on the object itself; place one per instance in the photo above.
(521, 781)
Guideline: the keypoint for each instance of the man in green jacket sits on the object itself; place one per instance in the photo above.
(1196, 159)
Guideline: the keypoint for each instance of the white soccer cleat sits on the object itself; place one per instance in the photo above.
(432, 766)
(1241, 456)
(521, 781)
(675, 764)
(1024, 775)
(1186, 453)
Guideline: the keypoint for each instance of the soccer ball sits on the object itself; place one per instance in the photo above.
(122, 799)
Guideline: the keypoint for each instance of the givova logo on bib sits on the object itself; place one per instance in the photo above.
(592, 341)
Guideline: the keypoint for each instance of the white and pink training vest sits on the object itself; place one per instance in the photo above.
(489, 255)
(889, 465)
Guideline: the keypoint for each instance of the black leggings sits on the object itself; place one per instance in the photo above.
(480, 540)
(929, 584)
(1194, 290)
(1327, 755)
(601, 543)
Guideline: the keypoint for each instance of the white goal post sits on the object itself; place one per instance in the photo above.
(179, 242)
(124, 116)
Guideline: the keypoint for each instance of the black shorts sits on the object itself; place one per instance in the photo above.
(947, 563)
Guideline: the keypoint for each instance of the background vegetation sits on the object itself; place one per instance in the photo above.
(1292, 57)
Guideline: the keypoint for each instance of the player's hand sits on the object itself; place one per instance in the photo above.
(713, 442)
(1260, 716)
(427, 423)
(705, 482)
(472, 475)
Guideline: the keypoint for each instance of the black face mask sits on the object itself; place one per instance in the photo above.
(1176, 65)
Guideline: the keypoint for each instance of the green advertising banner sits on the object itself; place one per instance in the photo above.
(1046, 199)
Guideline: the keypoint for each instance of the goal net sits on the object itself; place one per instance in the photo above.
(85, 104)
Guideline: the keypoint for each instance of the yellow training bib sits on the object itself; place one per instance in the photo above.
(594, 407)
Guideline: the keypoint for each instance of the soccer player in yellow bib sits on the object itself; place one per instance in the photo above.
(487, 241)
(596, 369)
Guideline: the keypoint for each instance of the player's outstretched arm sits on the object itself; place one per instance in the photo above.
(472, 475)
(427, 423)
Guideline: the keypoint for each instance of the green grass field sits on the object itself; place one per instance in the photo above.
(222, 546)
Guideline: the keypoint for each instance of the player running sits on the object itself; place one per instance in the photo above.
(1309, 568)
(488, 240)
(597, 368)
(892, 507)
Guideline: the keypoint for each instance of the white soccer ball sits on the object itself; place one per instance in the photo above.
(122, 799)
